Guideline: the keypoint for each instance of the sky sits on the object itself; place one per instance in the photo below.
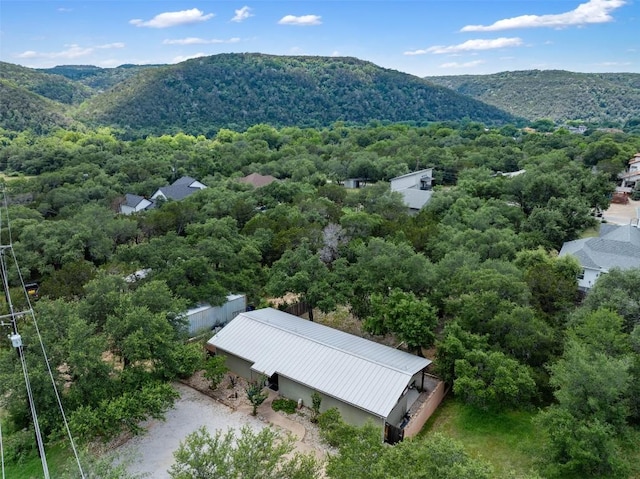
(420, 37)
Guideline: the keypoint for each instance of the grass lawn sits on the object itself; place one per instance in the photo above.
(57, 457)
(509, 441)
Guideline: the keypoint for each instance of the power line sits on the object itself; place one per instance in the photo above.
(17, 343)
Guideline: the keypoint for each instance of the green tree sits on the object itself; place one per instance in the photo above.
(619, 291)
(456, 342)
(492, 380)
(436, 457)
(412, 319)
(250, 455)
(215, 369)
(584, 427)
(256, 395)
(302, 272)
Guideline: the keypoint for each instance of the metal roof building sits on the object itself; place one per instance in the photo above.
(308, 357)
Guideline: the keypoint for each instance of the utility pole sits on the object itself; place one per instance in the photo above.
(16, 341)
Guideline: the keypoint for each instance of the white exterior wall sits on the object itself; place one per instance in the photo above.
(128, 210)
(206, 317)
(589, 278)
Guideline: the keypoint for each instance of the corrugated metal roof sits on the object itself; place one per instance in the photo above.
(415, 198)
(357, 371)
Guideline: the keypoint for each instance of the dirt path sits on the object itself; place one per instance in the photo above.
(621, 214)
(153, 452)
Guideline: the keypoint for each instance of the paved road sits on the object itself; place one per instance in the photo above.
(153, 452)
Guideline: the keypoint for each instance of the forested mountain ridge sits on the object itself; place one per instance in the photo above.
(21, 110)
(53, 87)
(96, 78)
(555, 94)
(239, 90)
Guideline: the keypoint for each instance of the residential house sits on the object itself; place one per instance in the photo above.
(179, 189)
(134, 203)
(632, 175)
(364, 380)
(355, 183)
(415, 188)
(258, 180)
(615, 247)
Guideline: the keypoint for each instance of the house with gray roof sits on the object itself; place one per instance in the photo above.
(134, 203)
(179, 189)
(415, 188)
(615, 247)
(364, 380)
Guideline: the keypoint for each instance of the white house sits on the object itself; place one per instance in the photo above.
(179, 189)
(616, 247)
(364, 380)
(632, 175)
(415, 188)
(134, 203)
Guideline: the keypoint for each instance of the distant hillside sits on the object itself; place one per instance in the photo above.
(240, 90)
(96, 78)
(54, 87)
(21, 109)
(559, 95)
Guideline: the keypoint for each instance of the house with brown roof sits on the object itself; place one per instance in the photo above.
(257, 180)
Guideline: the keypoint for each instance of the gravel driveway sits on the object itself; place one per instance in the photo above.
(153, 452)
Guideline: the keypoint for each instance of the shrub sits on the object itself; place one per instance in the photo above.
(332, 428)
(19, 446)
(215, 369)
(283, 404)
(316, 400)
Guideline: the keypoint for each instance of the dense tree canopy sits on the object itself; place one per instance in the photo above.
(476, 270)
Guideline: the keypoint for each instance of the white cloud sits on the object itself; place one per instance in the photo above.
(470, 45)
(173, 19)
(474, 63)
(182, 58)
(112, 45)
(65, 10)
(593, 11)
(614, 64)
(199, 41)
(304, 20)
(73, 51)
(242, 14)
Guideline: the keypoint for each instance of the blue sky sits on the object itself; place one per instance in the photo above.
(421, 37)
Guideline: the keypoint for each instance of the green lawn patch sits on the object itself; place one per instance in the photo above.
(507, 440)
(31, 468)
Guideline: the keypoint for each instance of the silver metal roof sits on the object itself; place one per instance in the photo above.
(357, 371)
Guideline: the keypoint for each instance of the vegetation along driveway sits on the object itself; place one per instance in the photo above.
(152, 453)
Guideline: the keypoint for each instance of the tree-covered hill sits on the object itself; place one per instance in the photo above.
(96, 78)
(239, 90)
(612, 98)
(22, 110)
(53, 87)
